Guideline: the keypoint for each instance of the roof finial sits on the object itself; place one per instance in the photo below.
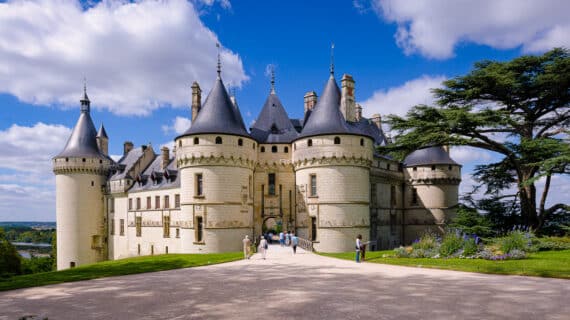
(332, 60)
(85, 100)
(219, 61)
(272, 79)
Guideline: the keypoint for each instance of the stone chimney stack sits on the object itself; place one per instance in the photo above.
(165, 152)
(358, 112)
(310, 100)
(196, 100)
(446, 148)
(127, 146)
(347, 104)
(377, 120)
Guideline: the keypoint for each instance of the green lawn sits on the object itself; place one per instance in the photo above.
(553, 264)
(118, 268)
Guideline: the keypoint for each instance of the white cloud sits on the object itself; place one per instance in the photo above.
(464, 155)
(399, 100)
(136, 56)
(434, 28)
(179, 125)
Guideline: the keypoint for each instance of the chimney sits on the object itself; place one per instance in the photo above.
(127, 146)
(446, 148)
(347, 104)
(196, 100)
(310, 101)
(358, 112)
(377, 120)
(165, 152)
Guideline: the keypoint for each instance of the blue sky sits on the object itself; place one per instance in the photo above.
(141, 57)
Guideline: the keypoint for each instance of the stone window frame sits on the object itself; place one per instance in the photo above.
(313, 184)
(166, 226)
(198, 185)
(138, 226)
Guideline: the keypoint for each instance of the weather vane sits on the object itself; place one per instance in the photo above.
(219, 60)
(332, 58)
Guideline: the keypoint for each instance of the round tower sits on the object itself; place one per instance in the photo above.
(432, 190)
(81, 170)
(216, 157)
(332, 166)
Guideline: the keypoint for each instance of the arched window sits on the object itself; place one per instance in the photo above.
(336, 140)
(361, 142)
(218, 140)
(240, 142)
(286, 149)
(310, 142)
(179, 143)
(449, 168)
(274, 149)
(294, 146)
(262, 149)
(432, 168)
(196, 141)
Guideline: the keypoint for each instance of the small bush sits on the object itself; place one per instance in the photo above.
(515, 240)
(427, 242)
(450, 244)
(552, 243)
(470, 248)
(401, 252)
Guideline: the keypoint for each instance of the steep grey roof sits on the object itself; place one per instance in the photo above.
(368, 128)
(273, 124)
(428, 156)
(153, 177)
(102, 133)
(297, 124)
(218, 114)
(126, 163)
(82, 142)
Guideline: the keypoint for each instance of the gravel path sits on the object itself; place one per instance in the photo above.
(304, 286)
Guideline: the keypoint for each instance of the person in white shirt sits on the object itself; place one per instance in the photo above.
(246, 247)
(262, 247)
(358, 246)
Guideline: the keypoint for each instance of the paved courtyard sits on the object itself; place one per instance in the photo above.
(304, 286)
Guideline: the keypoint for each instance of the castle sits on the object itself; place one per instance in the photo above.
(320, 176)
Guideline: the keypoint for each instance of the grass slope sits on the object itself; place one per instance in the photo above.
(118, 268)
(552, 264)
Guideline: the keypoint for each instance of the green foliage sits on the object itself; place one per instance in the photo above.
(9, 258)
(469, 221)
(470, 247)
(450, 244)
(515, 240)
(29, 235)
(553, 243)
(427, 242)
(37, 265)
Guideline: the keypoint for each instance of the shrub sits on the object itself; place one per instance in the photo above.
(401, 252)
(450, 244)
(515, 240)
(553, 243)
(427, 242)
(470, 248)
(422, 253)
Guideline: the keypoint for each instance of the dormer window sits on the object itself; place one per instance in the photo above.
(336, 140)
(274, 149)
(218, 140)
(274, 129)
(196, 141)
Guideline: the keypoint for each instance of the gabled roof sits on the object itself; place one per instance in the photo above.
(218, 114)
(429, 156)
(273, 124)
(154, 177)
(126, 163)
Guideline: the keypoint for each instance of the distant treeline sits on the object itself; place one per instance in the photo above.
(28, 234)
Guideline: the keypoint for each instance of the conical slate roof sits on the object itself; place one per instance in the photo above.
(83, 139)
(218, 114)
(102, 133)
(273, 124)
(428, 156)
(326, 117)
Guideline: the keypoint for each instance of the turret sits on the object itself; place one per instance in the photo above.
(347, 103)
(103, 141)
(81, 171)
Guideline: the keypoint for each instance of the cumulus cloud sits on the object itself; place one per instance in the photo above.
(464, 155)
(179, 125)
(434, 28)
(136, 56)
(398, 100)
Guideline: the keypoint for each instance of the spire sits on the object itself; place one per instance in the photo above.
(102, 133)
(272, 80)
(85, 103)
(219, 62)
(332, 60)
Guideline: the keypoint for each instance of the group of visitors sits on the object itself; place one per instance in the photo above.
(285, 239)
(289, 239)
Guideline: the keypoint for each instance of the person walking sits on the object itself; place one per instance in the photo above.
(262, 247)
(281, 238)
(246, 247)
(294, 243)
(287, 238)
(358, 245)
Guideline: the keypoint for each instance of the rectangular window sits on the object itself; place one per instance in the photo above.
(414, 196)
(250, 186)
(199, 185)
(166, 226)
(177, 232)
(112, 227)
(148, 202)
(157, 202)
(166, 202)
(138, 203)
(313, 229)
(313, 185)
(176, 201)
(199, 229)
(392, 196)
(130, 203)
(271, 184)
(138, 223)
(122, 227)
(111, 204)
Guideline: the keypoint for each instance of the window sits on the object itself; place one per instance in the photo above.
(313, 229)
(112, 227)
(152, 249)
(148, 202)
(336, 140)
(177, 232)
(310, 142)
(177, 201)
(138, 224)
(139, 249)
(122, 227)
(274, 149)
(254, 146)
(166, 250)
(157, 202)
(414, 196)
(199, 229)
(218, 140)
(180, 143)
(240, 142)
(262, 149)
(166, 226)
(415, 168)
(286, 149)
(392, 196)
(362, 142)
(387, 166)
(72, 264)
(166, 202)
(196, 141)
(199, 187)
(313, 179)
(271, 183)
(92, 183)
(432, 168)
(138, 203)
(250, 188)
(84, 160)
(449, 168)
(294, 146)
